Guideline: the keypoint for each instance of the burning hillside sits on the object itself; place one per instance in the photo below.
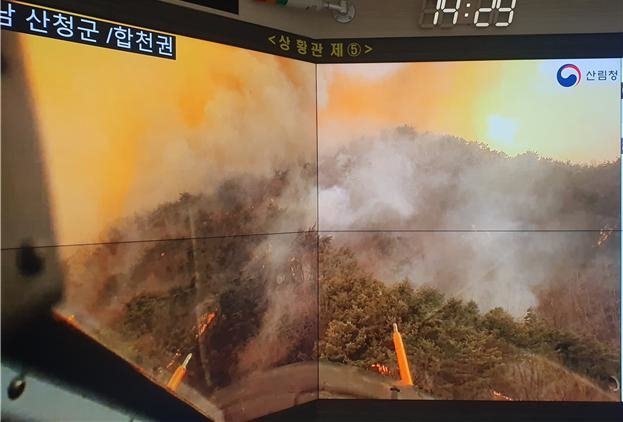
(404, 179)
(455, 349)
(525, 287)
(240, 303)
(483, 258)
(491, 228)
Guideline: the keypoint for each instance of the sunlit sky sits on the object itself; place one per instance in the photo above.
(123, 133)
(513, 106)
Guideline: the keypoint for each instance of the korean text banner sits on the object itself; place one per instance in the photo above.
(80, 29)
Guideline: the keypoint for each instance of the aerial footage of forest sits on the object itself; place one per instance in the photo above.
(485, 315)
(519, 300)
(267, 232)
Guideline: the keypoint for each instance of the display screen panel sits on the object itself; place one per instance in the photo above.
(183, 201)
(477, 206)
(253, 232)
(128, 138)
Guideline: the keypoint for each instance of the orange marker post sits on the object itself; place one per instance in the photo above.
(401, 357)
(179, 373)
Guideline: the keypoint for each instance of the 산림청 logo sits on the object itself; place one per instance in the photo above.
(569, 75)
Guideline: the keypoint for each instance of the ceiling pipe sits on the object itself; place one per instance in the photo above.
(343, 11)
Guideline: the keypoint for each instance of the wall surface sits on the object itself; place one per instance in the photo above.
(43, 400)
(399, 18)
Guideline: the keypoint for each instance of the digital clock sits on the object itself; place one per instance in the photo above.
(478, 13)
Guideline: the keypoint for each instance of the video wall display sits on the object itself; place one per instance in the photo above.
(183, 195)
(483, 316)
(477, 206)
(213, 320)
(498, 145)
(254, 232)
(134, 145)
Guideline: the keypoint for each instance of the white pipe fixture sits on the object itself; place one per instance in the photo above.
(343, 11)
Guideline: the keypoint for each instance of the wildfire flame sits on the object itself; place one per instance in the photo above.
(604, 234)
(204, 322)
(380, 368)
(496, 395)
(175, 357)
(68, 319)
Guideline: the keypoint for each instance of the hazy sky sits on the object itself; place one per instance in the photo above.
(123, 133)
(513, 106)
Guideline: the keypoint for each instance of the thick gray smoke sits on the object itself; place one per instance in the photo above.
(479, 215)
(289, 322)
(262, 288)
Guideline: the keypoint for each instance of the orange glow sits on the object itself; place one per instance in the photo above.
(112, 124)
(380, 368)
(466, 99)
(204, 322)
(604, 234)
(496, 395)
(67, 319)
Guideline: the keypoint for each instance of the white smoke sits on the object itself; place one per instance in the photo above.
(478, 215)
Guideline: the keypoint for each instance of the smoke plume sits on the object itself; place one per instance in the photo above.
(483, 226)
